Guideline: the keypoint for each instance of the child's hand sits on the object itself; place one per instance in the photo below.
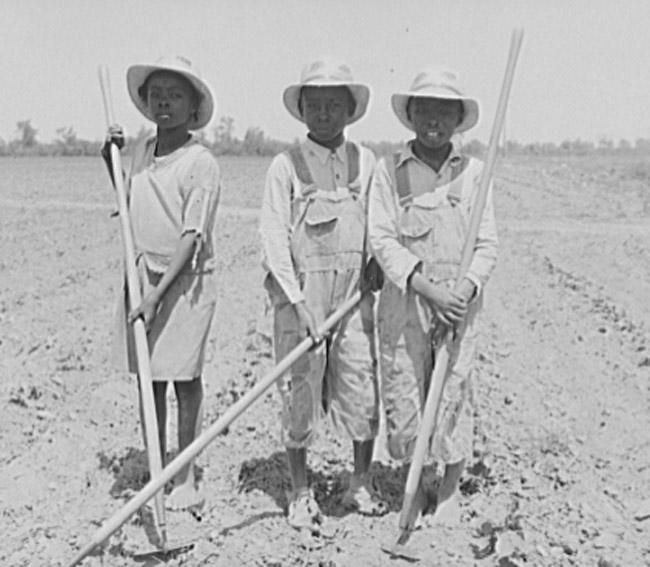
(449, 306)
(373, 276)
(307, 322)
(115, 135)
(147, 310)
(466, 289)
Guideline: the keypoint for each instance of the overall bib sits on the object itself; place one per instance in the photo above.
(432, 226)
(339, 375)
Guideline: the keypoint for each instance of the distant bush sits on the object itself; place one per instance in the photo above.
(256, 143)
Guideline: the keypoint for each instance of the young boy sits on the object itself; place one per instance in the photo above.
(312, 228)
(419, 207)
(174, 187)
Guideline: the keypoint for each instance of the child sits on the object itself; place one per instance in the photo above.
(419, 208)
(174, 187)
(312, 227)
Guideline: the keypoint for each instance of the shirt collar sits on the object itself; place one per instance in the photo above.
(151, 143)
(452, 159)
(323, 153)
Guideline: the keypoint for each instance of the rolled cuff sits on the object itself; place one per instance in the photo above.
(477, 283)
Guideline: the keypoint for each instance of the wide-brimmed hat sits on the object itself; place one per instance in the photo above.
(438, 83)
(326, 72)
(136, 76)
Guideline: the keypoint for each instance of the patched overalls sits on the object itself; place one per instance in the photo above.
(433, 227)
(327, 247)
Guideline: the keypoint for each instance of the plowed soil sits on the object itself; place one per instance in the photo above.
(561, 466)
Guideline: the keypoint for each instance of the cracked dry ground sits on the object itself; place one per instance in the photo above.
(561, 470)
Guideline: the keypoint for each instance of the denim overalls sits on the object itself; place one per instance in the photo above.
(432, 225)
(327, 248)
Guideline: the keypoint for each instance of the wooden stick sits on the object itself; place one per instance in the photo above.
(202, 441)
(430, 415)
(150, 425)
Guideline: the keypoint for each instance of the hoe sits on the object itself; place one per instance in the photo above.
(410, 509)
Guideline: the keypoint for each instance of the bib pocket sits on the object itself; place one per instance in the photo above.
(320, 224)
(316, 234)
(418, 232)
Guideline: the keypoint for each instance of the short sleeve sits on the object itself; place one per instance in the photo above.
(201, 188)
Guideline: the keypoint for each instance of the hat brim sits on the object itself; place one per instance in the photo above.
(399, 101)
(360, 93)
(136, 76)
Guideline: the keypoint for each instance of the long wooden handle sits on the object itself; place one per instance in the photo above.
(202, 441)
(490, 158)
(150, 424)
(432, 405)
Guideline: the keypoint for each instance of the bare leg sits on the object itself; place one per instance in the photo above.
(360, 495)
(190, 405)
(160, 403)
(297, 459)
(304, 512)
(160, 400)
(362, 458)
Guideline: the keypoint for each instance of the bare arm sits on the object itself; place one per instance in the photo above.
(182, 255)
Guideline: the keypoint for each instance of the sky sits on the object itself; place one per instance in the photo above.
(583, 71)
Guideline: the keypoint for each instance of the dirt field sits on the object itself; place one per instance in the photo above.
(561, 468)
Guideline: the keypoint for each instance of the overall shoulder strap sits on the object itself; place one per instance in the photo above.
(354, 159)
(296, 157)
(457, 181)
(402, 182)
(300, 165)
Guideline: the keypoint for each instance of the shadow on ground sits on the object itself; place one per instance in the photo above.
(271, 476)
(131, 471)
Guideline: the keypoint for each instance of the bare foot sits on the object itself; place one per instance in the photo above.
(184, 497)
(448, 510)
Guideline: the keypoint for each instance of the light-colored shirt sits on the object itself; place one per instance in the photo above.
(395, 259)
(170, 196)
(329, 170)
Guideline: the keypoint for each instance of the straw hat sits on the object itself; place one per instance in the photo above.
(438, 83)
(136, 76)
(327, 73)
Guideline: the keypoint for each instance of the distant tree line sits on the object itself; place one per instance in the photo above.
(66, 144)
(255, 142)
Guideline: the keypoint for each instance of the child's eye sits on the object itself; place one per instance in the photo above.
(334, 106)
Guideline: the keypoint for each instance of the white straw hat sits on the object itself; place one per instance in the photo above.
(136, 76)
(326, 72)
(438, 83)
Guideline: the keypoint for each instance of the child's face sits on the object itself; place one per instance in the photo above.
(326, 111)
(434, 120)
(171, 100)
